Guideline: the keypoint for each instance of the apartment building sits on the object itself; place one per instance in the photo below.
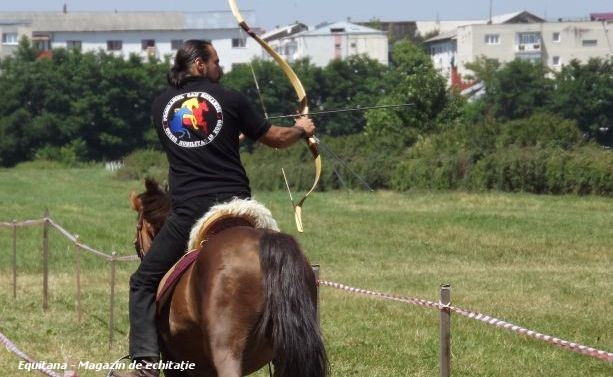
(552, 43)
(327, 42)
(156, 34)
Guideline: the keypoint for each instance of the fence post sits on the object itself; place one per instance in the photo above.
(112, 303)
(445, 329)
(14, 259)
(316, 269)
(46, 260)
(78, 266)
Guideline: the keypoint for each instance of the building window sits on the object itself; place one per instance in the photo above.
(239, 42)
(492, 39)
(114, 45)
(590, 43)
(147, 44)
(41, 44)
(176, 44)
(556, 37)
(9, 38)
(556, 61)
(73, 45)
(529, 38)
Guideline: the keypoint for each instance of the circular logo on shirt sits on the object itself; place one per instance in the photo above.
(192, 120)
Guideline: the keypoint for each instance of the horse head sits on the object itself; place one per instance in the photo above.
(153, 207)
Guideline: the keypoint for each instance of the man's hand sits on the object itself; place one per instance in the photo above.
(306, 125)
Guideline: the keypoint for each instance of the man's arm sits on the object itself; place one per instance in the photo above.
(283, 137)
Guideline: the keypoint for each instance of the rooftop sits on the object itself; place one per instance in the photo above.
(284, 31)
(342, 27)
(601, 16)
(508, 18)
(123, 21)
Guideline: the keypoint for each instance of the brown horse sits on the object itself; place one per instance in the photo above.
(250, 298)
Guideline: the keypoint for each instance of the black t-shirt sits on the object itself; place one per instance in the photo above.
(198, 126)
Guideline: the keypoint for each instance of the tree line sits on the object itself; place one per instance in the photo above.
(78, 107)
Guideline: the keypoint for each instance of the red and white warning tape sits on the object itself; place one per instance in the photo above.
(571, 346)
(13, 348)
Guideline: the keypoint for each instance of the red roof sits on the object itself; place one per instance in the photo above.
(601, 16)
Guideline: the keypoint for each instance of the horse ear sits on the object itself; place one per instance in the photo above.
(151, 185)
(135, 201)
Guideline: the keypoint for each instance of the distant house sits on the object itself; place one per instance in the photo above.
(519, 35)
(396, 30)
(602, 17)
(327, 42)
(156, 34)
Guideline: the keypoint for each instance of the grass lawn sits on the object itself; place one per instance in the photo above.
(542, 262)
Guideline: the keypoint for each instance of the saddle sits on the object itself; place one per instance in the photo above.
(238, 212)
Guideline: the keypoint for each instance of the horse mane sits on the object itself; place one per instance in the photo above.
(156, 203)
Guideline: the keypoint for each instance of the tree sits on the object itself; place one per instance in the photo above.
(411, 79)
(75, 106)
(585, 94)
(353, 82)
(519, 89)
(484, 69)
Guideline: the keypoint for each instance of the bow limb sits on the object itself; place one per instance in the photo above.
(314, 148)
(312, 142)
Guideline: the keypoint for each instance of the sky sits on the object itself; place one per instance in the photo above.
(271, 13)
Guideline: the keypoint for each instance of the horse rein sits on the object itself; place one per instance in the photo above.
(139, 239)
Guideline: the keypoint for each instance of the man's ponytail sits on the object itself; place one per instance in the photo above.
(185, 57)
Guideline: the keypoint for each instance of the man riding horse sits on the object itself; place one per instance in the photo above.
(204, 169)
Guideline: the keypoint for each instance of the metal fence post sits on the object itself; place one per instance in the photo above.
(112, 303)
(14, 259)
(78, 266)
(445, 329)
(46, 260)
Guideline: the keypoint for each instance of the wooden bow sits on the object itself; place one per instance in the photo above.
(303, 109)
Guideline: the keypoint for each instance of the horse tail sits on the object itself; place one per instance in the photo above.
(289, 319)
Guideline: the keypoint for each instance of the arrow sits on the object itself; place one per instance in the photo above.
(342, 110)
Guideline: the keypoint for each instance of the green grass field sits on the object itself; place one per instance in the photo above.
(542, 262)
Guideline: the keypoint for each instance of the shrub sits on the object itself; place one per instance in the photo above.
(40, 165)
(442, 172)
(144, 163)
(543, 129)
(540, 154)
(589, 170)
(348, 162)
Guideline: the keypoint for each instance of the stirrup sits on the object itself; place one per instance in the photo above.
(115, 363)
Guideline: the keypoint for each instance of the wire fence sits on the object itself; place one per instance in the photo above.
(444, 307)
(487, 319)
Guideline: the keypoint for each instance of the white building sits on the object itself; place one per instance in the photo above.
(527, 37)
(325, 43)
(156, 34)
(442, 27)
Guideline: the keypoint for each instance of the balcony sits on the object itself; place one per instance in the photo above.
(528, 47)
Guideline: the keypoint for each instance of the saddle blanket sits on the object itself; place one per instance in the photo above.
(238, 212)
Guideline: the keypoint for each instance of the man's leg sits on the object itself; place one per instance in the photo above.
(168, 246)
